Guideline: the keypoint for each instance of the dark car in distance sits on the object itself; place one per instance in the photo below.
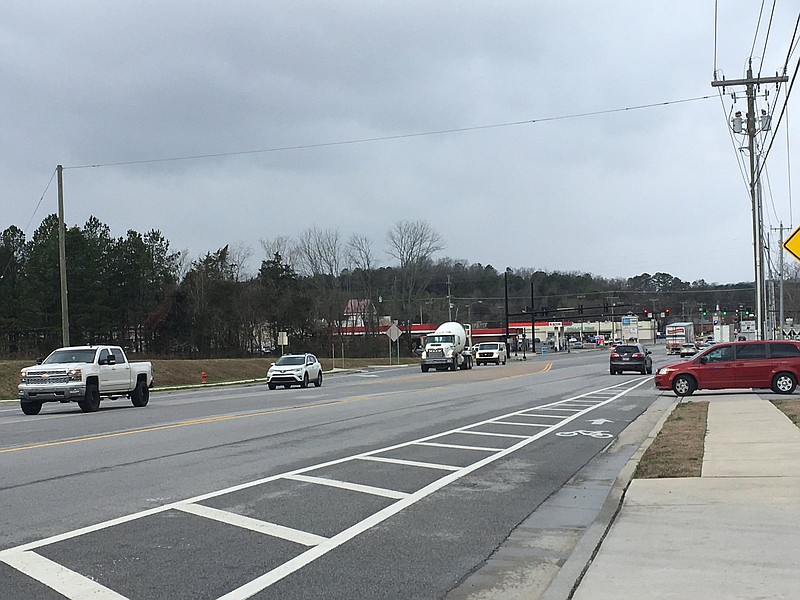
(630, 357)
(772, 364)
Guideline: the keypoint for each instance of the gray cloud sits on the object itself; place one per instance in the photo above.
(615, 194)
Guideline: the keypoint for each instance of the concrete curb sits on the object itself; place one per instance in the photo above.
(568, 578)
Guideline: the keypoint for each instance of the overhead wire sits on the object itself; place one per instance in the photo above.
(389, 137)
(28, 224)
(766, 37)
(758, 26)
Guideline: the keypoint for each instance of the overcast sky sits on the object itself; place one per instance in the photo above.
(616, 193)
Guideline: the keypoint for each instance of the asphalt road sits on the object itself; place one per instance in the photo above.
(388, 483)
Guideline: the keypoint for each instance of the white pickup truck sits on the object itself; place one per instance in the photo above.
(83, 374)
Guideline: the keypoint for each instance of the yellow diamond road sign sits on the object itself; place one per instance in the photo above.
(792, 244)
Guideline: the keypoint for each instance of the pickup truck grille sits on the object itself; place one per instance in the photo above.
(435, 353)
(46, 378)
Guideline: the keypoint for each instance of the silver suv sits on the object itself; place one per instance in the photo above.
(295, 369)
(490, 352)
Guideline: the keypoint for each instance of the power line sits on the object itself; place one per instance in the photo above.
(28, 224)
(389, 137)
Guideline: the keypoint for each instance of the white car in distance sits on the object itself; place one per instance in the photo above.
(295, 369)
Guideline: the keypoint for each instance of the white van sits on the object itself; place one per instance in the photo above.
(494, 352)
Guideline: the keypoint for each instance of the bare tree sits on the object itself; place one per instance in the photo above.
(359, 253)
(413, 244)
(282, 245)
(320, 252)
(361, 264)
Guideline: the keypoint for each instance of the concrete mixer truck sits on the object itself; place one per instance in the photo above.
(447, 348)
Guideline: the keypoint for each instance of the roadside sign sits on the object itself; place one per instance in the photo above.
(792, 244)
(394, 332)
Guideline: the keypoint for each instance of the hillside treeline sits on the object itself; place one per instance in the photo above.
(138, 292)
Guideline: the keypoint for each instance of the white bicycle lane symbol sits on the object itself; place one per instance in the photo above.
(592, 434)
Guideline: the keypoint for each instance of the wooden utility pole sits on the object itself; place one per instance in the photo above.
(751, 130)
(62, 260)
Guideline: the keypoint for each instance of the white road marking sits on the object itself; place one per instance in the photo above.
(506, 435)
(59, 578)
(523, 424)
(346, 485)
(223, 516)
(458, 446)
(542, 416)
(12, 556)
(410, 463)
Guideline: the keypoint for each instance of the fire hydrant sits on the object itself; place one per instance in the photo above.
(203, 376)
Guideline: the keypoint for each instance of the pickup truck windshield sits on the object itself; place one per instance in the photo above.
(441, 339)
(70, 356)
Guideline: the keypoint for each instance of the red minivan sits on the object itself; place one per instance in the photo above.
(771, 364)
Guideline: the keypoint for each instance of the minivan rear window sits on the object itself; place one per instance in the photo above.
(784, 351)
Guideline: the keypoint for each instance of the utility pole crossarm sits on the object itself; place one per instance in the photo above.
(750, 81)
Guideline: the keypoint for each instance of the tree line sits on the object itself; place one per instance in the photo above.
(136, 291)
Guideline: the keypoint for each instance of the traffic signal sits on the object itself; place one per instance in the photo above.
(645, 313)
(666, 311)
(705, 312)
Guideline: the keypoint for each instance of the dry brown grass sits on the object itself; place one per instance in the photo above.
(677, 450)
(791, 408)
(169, 373)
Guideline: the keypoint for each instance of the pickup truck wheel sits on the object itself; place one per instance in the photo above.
(318, 380)
(424, 368)
(31, 408)
(91, 400)
(140, 395)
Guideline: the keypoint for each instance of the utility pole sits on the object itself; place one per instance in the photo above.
(505, 282)
(751, 130)
(533, 322)
(62, 260)
(449, 301)
(781, 319)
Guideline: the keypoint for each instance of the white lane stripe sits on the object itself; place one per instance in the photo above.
(346, 485)
(507, 435)
(410, 463)
(541, 416)
(523, 424)
(66, 582)
(223, 516)
(298, 562)
(459, 446)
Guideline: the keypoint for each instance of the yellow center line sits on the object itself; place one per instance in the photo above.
(260, 413)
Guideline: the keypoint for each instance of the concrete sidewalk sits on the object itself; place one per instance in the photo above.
(733, 533)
